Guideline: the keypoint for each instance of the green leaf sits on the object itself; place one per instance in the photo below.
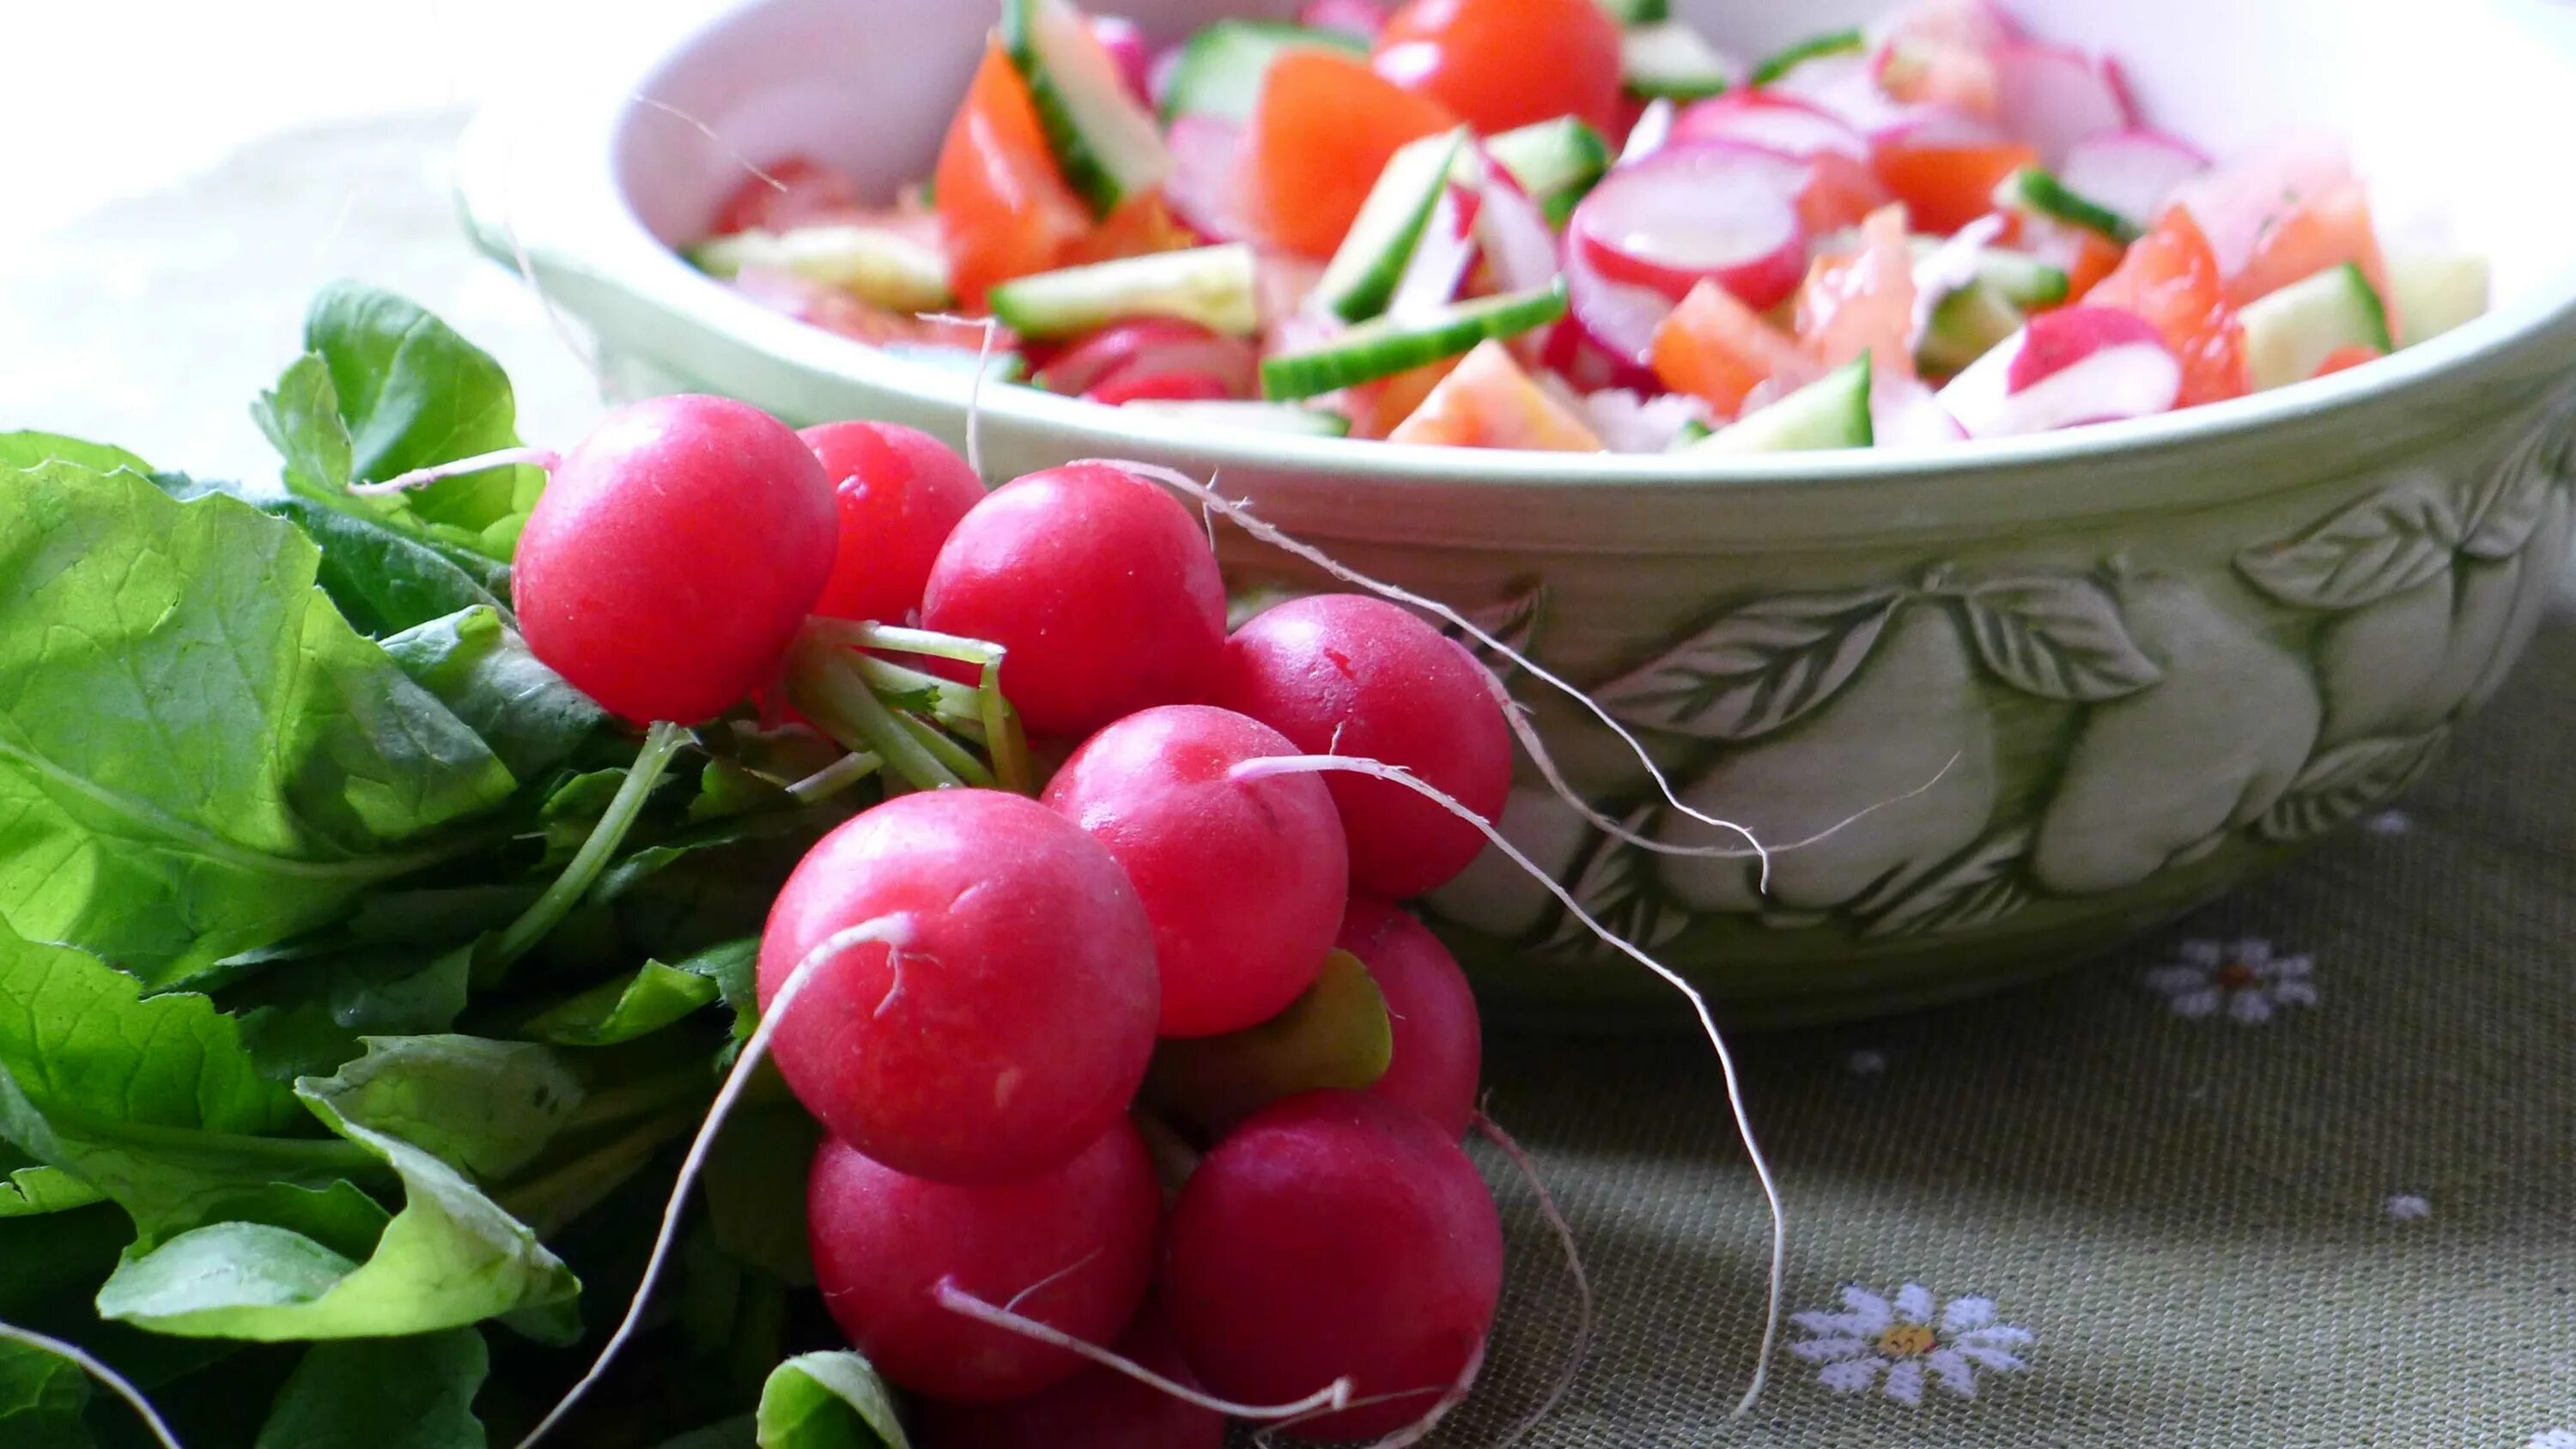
(41, 1398)
(755, 1188)
(450, 1258)
(481, 669)
(736, 1433)
(381, 579)
(827, 1401)
(734, 966)
(1336, 1035)
(36, 1189)
(28, 449)
(198, 756)
(488, 1107)
(621, 1011)
(383, 1393)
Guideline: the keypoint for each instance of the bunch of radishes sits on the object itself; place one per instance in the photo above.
(966, 986)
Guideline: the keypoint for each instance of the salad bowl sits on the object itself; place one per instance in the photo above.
(1991, 706)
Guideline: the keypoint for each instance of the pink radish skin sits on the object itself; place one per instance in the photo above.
(1077, 1241)
(1362, 18)
(1714, 211)
(1617, 318)
(1098, 1408)
(2052, 97)
(900, 492)
(1243, 881)
(1845, 87)
(674, 555)
(1514, 238)
(2066, 368)
(1127, 48)
(1355, 675)
(2132, 171)
(1101, 588)
(1149, 346)
(949, 1059)
(1771, 121)
(1333, 1235)
(1206, 185)
(1439, 1037)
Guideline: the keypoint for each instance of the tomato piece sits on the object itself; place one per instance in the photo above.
(1004, 207)
(1324, 128)
(1863, 302)
(1505, 63)
(1946, 185)
(2347, 357)
(2326, 230)
(1717, 349)
(1841, 192)
(1489, 402)
(2170, 277)
(1144, 225)
(1379, 408)
(799, 191)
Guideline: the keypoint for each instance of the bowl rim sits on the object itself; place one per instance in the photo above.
(587, 119)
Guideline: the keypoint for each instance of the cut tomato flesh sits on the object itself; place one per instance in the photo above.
(1863, 303)
(1944, 187)
(1004, 207)
(799, 191)
(1841, 192)
(1325, 126)
(2347, 357)
(1489, 402)
(1505, 63)
(2327, 230)
(1717, 349)
(2170, 278)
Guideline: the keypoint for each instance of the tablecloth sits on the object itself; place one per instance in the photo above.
(2298, 1174)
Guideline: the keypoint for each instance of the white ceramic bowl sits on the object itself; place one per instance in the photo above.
(2101, 674)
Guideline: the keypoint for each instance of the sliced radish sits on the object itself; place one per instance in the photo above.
(1950, 267)
(1134, 55)
(1134, 386)
(1205, 188)
(1165, 69)
(1714, 211)
(1619, 319)
(2133, 171)
(1148, 347)
(2239, 202)
(1652, 132)
(1774, 122)
(1932, 127)
(1972, 24)
(1905, 413)
(2052, 97)
(2066, 368)
(1845, 87)
(1518, 244)
(1629, 423)
(1440, 259)
(1351, 17)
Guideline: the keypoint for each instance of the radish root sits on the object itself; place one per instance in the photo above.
(1493, 1132)
(114, 1382)
(545, 458)
(1331, 1398)
(1420, 1429)
(895, 931)
(1378, 769)
(1244, 518)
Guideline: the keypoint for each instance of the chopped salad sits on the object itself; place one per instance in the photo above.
(1579, 225)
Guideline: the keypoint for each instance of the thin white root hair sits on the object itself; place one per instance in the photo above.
(114, 1382)
(710, 132)
(1585, 1306)
(975, 389)
(1243, 517)
(1414, 1433)
(1379, 769)
(1331, 1398)
(546, 458)
(895, 931)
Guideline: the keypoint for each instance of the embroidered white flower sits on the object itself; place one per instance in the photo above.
(2407, 1207)
(2241, 978)
(2389, 822)
(1896, 1346)
(2553, 1439)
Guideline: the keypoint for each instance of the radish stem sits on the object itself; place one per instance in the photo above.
(831, 693)
(835, 777)
(661, 742)
(950, 753)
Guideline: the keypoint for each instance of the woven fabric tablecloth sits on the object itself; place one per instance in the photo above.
(2300, 1174)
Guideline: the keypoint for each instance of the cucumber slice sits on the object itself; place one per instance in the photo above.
(2017, 277)
(999, 367)
(1259, 417)
(1212, 286)
(1669, 61)
(1965, 326)
(1814, 47)
(1831, 412)
(879, 266)
(1107, 145)
(1556, 162)
(2289, 334)
(1384, 348)
(1364, 272)
(2437, 292)
(1692, 434)
(2041, 194)
(1221, 72)
(1637, 12)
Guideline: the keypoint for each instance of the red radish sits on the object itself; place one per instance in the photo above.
(1353, 675)
(1102, 588)
(1439, 1038)
(901, 491)
(2067, 367)
(1651, 132)
(1146, 346)
(950, 1057)
(2052, 97)
(1243, 882)
(1127, 48)
(1133, 386)
(1072, 1247)
(2132, 171)
(1618, 319)
(1904, 413)
(1774, 122)
(1335, 1235)
(1438, 266)
(1098, 1408)
(1716, 211)
(1362, 18)
(674, 555)
(1205, 189)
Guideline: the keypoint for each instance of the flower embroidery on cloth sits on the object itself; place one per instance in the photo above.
(2553, 1439)
(2408, 1207)
(2241, 978)
(1896, 1346)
